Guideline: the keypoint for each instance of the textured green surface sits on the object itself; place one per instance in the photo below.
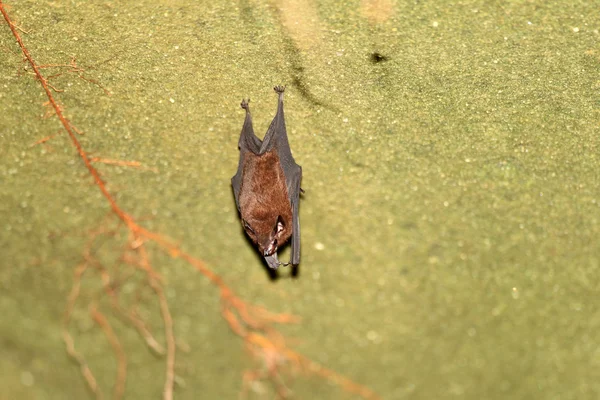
(450, 220)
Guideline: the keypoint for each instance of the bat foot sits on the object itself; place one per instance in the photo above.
(279, 89)
(245, 104)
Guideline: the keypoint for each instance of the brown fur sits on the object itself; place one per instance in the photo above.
(263, 198)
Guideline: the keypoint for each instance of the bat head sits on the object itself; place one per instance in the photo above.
(267, 233)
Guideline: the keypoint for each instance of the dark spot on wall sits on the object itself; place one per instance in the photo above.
(378, 57)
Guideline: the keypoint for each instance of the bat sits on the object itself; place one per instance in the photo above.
(267, 187)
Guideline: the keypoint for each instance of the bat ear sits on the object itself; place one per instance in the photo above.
(279, 226)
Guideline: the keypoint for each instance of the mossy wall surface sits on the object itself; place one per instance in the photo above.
(450, 220)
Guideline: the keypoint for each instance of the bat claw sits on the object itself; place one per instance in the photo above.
(279, 89)
(245, 104)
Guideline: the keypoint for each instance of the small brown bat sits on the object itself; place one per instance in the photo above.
(267, 187)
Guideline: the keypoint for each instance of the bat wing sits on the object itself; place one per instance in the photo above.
(248, 142)
(276, 137)
(294, 177)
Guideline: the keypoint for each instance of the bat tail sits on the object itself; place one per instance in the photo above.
(245, 104)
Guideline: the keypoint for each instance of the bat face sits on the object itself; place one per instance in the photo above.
(264, 204)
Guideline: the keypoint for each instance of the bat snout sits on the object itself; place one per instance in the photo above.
(270, 249)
